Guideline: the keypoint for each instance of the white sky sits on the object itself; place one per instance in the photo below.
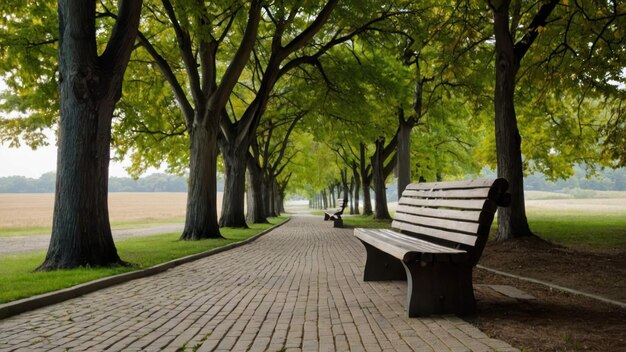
(24, 161)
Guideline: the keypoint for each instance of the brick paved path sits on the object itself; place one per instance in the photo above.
(296, 288)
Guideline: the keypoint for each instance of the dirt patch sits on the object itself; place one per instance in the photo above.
(554, 321)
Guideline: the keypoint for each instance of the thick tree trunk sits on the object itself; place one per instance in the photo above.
(233, 213)
(256, 212)
(201, 218)
(381, 211)
(512, 221)
(81, 233)
(404, 152)
(89, 85)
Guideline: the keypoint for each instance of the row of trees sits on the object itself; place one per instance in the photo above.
(305, 95)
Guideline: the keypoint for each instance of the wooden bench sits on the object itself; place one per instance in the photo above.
(443, 229)
(336, 215)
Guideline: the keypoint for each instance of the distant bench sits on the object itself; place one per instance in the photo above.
(443, 229)
(335, 216)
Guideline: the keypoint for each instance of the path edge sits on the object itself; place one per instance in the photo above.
(45, 299)
(554, 286)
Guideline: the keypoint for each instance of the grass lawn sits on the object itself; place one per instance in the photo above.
(365, 222)
(587, 231)
(17, 279)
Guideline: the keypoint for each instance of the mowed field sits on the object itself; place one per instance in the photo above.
(32, 212)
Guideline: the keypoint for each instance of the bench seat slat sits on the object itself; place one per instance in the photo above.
(475, 204)
(454, 193)
(454, 225)
(398, 245)
(469, 215)
(442, 234)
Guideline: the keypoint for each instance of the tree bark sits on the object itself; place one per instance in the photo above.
(201, 218)
(366, 178)
(235, 162)
(344, 182)
(351, 195)
(256, 212)
(276, 197)
(381, 210)
(90, 85)
(512, 222)
(404, 151)
(357, 187)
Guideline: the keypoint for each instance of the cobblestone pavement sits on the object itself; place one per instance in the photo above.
(16, 244)
(298, 288)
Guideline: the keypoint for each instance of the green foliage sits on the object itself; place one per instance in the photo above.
(569, 104)
(28, 55)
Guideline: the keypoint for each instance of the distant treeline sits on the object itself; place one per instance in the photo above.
(604, 180)
(151, 183)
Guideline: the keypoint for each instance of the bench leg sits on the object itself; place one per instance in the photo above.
(338, 222)
(380, 266)
(439, 288)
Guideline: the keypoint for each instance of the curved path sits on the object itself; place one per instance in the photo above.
(298, 288)
(17, 244)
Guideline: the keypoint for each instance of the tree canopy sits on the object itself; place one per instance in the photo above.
(307, 94)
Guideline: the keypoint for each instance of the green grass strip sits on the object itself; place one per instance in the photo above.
(18, 279)
(596, 232)
(365, 221)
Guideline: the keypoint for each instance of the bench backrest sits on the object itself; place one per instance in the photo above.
(456, 214)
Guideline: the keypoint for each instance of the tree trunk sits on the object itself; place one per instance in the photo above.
(268, 195)
(331, 196)
(344, 181)
(381, 211)
(235, 161)
(512, 222)
(256, 212)
(404, 152)
(89, 85)
(276, 197)
(350, 196)
(81, 233)
(201, 218)
(357, 188)
(366, 178)
(281, 199)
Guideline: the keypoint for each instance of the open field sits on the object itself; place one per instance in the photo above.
(31, 213)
